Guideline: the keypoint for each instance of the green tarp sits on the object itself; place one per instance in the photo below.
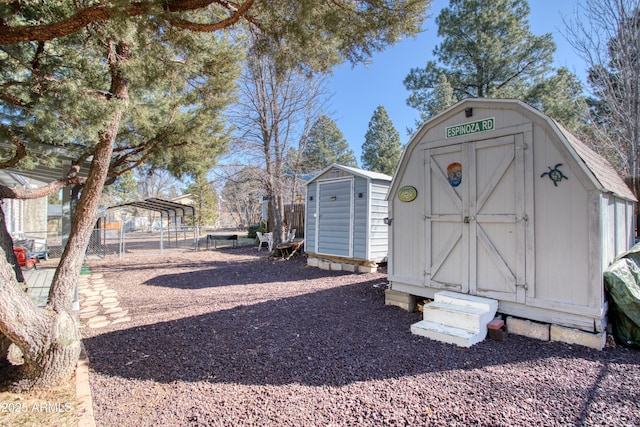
(622, 283)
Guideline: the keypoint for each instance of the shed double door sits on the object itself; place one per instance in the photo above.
(476, 221)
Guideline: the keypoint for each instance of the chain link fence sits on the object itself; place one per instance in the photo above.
(113, 241)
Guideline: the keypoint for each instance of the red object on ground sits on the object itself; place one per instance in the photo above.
(24, 260)
(496, 324)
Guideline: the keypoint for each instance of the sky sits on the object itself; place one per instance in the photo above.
(358, 91)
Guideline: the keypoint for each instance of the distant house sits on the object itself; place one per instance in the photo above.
(24, 217)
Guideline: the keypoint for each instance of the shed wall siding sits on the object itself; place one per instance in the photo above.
(361, 210)
(609, 241)
(407, 231)
(561, 227)
(624, 230)
(379, 231)
(310, 221)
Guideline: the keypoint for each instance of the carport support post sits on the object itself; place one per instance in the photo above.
(161, 234)
(122, 248)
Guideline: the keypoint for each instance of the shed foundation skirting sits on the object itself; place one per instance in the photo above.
(546, 332)
(518, 326)
(539, 331)
(575, 336)
(325, 262)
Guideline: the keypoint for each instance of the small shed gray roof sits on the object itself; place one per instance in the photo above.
(369, 175)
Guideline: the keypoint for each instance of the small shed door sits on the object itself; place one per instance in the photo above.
(476, 219)
(334, 232)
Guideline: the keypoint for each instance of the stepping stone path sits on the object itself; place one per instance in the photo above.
(99, 305)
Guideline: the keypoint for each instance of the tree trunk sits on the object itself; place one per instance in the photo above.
(49, 338)
(50, 341)
(7, 244)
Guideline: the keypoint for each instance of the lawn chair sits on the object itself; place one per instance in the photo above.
(25, 259)
(265, 238)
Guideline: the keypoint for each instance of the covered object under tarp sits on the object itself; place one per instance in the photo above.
(622, 283)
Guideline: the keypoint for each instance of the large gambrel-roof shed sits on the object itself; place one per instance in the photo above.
(494, 199)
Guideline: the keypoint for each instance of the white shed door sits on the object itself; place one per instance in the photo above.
(476, 219)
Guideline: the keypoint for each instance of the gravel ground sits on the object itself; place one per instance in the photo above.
(232, 338)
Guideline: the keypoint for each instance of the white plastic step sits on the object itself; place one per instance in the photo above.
(457, 316)
(449, 297)
(447, 334)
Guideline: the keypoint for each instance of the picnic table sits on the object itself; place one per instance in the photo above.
(290, 248)
(215, 237)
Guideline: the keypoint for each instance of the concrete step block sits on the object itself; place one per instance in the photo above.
(447, 334)
(400, 299)
(467, 300)
(576, 336)
(324, 265)
(457, 316)
(352, 268)
(528, 328)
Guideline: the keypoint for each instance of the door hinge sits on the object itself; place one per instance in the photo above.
(522, 147)
(524, 218)
(523, 286)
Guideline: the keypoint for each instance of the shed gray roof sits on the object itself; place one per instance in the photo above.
(355, 171)
(599, 166)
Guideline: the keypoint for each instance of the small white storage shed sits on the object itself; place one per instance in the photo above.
(494, 199)
(344, 223)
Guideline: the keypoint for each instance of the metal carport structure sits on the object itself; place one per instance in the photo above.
(171, 209)
(168, 210)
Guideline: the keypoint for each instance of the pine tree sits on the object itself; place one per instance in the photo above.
(382, 148)
(489, 51)
(204, 200)
(326, 145)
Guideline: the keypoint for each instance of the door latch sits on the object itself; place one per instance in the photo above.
(468, 219)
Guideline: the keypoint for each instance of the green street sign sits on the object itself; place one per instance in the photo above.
(472, 127)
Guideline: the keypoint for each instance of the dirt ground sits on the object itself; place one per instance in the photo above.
(54, 407)
(231, 337)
